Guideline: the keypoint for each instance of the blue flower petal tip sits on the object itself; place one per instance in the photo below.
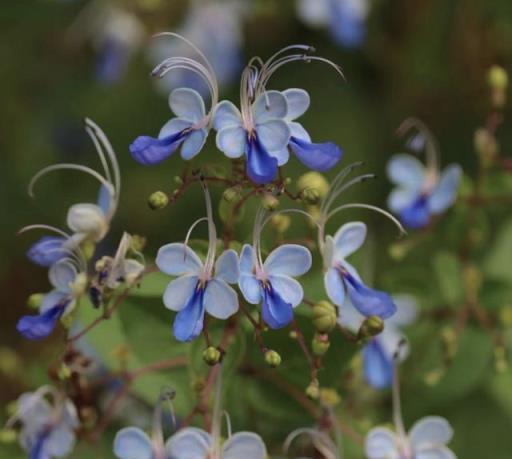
(368, 301)
(148, 150)
(317, 156)
(47, 251)
(40, 326)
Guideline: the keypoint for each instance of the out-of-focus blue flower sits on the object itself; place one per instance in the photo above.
(426, 439)
(68, 285)
(259, 131)
(346, 19)
(47, 430)
(341, 278)
(188, 130)
(316, 156)
(271, 283)
(47, 251)
(380, 352)
(421, 192)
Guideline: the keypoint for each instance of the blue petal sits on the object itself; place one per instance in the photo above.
(316, 156)
(246, 259)
(289, 260)
(445, 193)
(148, 150)
(40, 326)
(250, 288)
(334, 286)
(406, 171)
(298, 102)
(46, 251)
(132, 443)
(227, 267)
(417, 214)
(187, 104)
(37, 450)
(367, 301)
(220, 300)
(226, 115)
(261, 167)
(188, 323)
(349, 33)
(104, 199)
(288, 289)
(377, 365)
(276, 313)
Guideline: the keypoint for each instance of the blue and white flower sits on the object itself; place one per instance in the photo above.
(189, 129)
(346, 19)
(379, 353)
(271, 283)
(47, 429)
(201, 286)
(421, 191)
(47, 251)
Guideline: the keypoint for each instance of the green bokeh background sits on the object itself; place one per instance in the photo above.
(426, 58)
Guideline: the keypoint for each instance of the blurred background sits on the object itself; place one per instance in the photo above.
(64, 60)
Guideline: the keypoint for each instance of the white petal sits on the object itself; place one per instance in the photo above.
(274, 135)
(187, 104)
(231, 140)
(334, 287)
(132, 443)
(61, 442)
(53, 298)
(406, 171)
(441, 452)
(400, 198)
(176, 259)
(194, 143)
(288, 289)
(349, 317)
(220, 300)
(298, 131)
(430, 431)
(393, 340)
(173, 126)
(298, 102)
(406, 310)
(33, 410)
(380, 443)
(269, 105)
(227, 267)
(179, 291)
(247, 259)
(88, 219)
(62, 274)
(314, 12)
(349, 238)
(282, 156)
(244, 445)
(288, 259)
(445, 192)
(250, 288)
(189, 443)
(226, 115)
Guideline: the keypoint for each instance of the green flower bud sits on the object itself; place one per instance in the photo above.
(324, 316)
(8, 436)
(270, 202)
(288, 181)
(138, 243)
(281, 223)
(63, 372)
(35, 300)
(158, 200)
(313, 390)
(310, 196)
(320, 344)
(372, 326)
(272, 358)
(211, 355)
(231, 194)
(178, 180)
(329, 397)
(449, 342)
(314, 181)
(497, 78)
(500, 359)
(293, 334)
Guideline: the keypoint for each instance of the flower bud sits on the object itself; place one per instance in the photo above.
(272, 358)
(497, 78)
(211, 355)
(313, 390)
(329, 397)
(35, 300)
(178, 180)
(270, 202)
(293, 334)
(288, 181)
(158, 200)
(500, 359)
(137, 243)
(8, 436)
(310, 196)
(281, 222)
(314, 181)
(449, 342)
(63, 372)
(320, 344)
(398, 250)
(231, 194)
(371, 326)
(324, 316)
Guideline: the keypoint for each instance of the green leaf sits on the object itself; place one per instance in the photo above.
(449, 277)
(497, 262)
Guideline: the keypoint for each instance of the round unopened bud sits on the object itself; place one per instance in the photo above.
(281, 222)
(371, 326)
(63, 372)
(158, 200)
(288, 181)
(35, 300)
(449, 342)
(313, 390)
(272, 358)
(329, 397)
(497, 78)
(320, 344)
(231, 194)
(8, 436)
(398, 251)
(324, 316)
(293, 334)
(137, 243)
(178, 180)
(310, 196)
(211, 355)
(314, 181)
(270, 202)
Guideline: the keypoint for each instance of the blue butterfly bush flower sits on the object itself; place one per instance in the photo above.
(189, 129)
(271, 283)
(345, 19)
(47, 429)
(261, 130)
(421, 191)
(200, 286)
(379, 353)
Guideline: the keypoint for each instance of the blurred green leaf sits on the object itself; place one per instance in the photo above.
(449, 277)
(497, 261)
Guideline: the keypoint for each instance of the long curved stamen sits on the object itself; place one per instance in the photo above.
(397, 406)
(228, 422)
(217, 415)
(72, 256)
(157, 431)
(256, 237)
(212, 231)
(289, 211)
(320, 440)
(45, 227)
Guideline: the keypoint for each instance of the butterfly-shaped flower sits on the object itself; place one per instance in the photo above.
(379, 353)
(47, 429)
(341, 278)
(346, 19)
(189, 129)
(200, 286)
(271, 283)
(427, 439)
(316, 156)
(68, 285)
